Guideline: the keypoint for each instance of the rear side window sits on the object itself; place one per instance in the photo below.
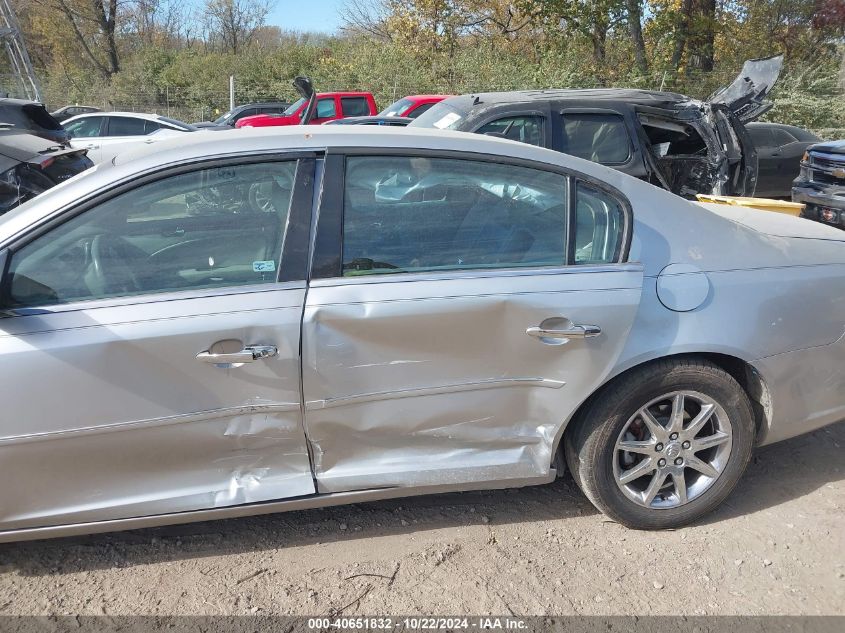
(761, 136)
(415, 214)
(599, 226)
(247, 112)
(526, 129)
(355, 106)
(151, 126)
(85, 128)
(601, 138)
(125, 126)
(420, 109)
(782, 137)
(325, 108)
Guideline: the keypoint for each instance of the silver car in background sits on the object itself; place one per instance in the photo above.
(296, 318)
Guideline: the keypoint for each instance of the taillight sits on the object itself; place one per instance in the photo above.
(45, 163)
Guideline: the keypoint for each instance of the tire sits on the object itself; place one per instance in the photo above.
(599, 466)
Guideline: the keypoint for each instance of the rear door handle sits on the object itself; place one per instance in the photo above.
(573, 332)
(236, 359)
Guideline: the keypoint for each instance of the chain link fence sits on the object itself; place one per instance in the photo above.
(192, 104)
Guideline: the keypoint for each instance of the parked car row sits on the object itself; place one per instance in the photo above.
(689, 147)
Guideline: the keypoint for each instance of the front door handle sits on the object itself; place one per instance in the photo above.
(236, 359)
(571, 332)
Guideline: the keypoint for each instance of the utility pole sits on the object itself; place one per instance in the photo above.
(22, 70)
(231, 92)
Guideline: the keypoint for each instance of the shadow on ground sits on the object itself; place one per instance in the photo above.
(777, 475)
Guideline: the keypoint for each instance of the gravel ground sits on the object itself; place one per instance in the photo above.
(776, 547)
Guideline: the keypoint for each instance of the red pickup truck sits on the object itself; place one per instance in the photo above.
(330, 105)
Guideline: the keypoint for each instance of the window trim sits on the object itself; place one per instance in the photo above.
(545, 130)
(299, 220)
(328, 241)
(564, 112)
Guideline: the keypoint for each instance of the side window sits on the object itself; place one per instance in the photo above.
(247, 112)
(527, 129)
(325, 108)
(413, 214)
(270, 110)
(354, 106)
(599, 226)
(85, 128)
(125, 126)
(782, 137)
(760, 136)
(601, 138)
(425, 107)
(151, 126)
(221, 226)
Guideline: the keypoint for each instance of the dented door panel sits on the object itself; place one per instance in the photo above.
(427, 380)
(129, 423)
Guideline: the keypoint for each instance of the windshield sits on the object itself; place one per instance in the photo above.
(294, 107)
(397, 108)
(442, 116)
(221, 119)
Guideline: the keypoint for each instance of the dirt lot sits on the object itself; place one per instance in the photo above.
(777, 547)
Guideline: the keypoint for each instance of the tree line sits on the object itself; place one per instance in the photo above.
(147, 53)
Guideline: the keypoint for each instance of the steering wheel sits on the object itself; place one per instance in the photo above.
(111, 271)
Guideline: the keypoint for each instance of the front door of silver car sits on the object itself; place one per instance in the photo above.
(151, 347)
(459, 310)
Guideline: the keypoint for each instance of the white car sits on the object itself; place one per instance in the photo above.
(106, 134)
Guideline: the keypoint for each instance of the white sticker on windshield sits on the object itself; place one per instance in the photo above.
(447, 120)
(267, 266)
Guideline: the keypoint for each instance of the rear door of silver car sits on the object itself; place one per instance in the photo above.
(150, 346)
(460, 308)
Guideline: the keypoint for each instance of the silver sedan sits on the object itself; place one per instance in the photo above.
(294, 318)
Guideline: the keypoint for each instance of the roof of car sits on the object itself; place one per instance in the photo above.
(426, 97)
(133, 115)
(257, 104)
(18, 102)
(340, 93)
(623, 95)
(768, 124)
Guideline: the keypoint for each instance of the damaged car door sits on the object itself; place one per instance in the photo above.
(151, 347)
(460, 308)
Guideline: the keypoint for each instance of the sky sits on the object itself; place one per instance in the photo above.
(306, 15)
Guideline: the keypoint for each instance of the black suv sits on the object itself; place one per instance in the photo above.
(820, 185)
(671, 140)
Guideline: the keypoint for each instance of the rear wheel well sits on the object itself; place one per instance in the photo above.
(747, 377)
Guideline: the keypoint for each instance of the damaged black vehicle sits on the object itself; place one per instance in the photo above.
(676, 142)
